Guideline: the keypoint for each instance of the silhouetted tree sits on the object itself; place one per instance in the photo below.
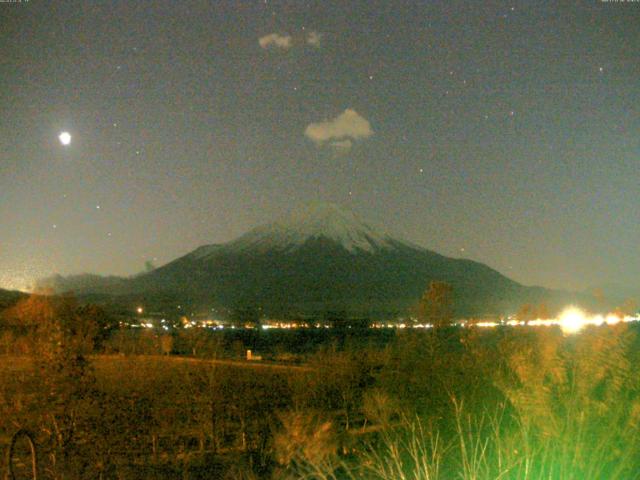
(62, 333)
(436, 305)
(628, 307)
(529, 311)
(245, 315)
(543, 311)
(166, 344)
(526, 312)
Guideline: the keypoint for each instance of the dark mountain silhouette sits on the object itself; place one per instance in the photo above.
(317, 260)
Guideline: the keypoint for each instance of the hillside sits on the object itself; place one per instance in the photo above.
(321, 259)
(9, 298)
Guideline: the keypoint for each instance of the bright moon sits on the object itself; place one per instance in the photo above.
(65, 138)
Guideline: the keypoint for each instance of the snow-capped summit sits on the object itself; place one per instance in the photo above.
(315, 221)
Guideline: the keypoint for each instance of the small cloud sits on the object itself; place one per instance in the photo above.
(275, 40)
(314, 38)
(347, 126)
(342, 145)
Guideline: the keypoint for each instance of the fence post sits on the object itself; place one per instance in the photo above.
(34, 457)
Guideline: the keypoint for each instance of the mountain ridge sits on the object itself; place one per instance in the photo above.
(322, 258)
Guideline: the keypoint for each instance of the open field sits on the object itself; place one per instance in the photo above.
(157, 412)
(499, 403)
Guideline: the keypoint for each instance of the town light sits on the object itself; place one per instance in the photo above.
(572, 320)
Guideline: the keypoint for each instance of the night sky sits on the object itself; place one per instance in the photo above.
(504, 132)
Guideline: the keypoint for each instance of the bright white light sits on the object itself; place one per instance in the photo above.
(65, 138)
(487, 324)
(538, 322)
(572, 320)
(139, 310)
(597, 320)
(612, 319)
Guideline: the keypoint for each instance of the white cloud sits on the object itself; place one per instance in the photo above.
(349, 125)
(275, 40)
(314, 38)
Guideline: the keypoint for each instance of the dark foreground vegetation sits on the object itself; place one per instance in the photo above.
(100, 402)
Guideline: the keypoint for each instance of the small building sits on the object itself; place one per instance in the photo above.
(252, 357)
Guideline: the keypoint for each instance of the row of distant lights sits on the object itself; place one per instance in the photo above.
(571, 320)
(186, 326)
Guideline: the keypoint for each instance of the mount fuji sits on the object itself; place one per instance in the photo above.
(314, 221)
(318, 259)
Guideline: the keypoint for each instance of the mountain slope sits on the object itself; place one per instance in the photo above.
(322, 259)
